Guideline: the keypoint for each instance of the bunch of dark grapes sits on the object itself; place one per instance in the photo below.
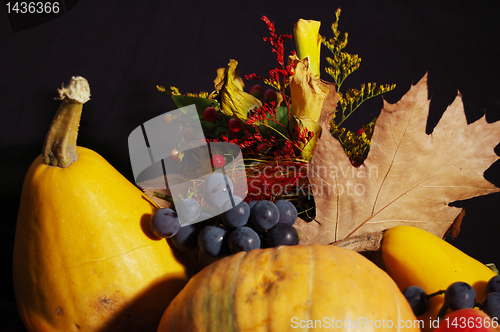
(243, 227)
(459, 295)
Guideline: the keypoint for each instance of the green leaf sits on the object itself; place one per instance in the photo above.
(276, 128)
(282, 116)
(218, 131)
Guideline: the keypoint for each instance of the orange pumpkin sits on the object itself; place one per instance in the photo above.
(291, 288)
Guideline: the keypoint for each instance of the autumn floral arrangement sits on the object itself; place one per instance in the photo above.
(344, 183)
(277, 138)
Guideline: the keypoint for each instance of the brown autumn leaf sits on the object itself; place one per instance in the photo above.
(409, 177)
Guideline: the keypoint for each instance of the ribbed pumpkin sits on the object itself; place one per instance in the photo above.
(292, 288)
(84, 258)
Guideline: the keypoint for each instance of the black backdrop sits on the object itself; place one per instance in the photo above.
(125, 48)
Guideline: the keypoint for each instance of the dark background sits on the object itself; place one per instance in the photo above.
(125, 48)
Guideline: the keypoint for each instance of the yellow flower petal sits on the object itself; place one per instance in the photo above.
(308, 42)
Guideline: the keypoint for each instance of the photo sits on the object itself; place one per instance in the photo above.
(250, 167)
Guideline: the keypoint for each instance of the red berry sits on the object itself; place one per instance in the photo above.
(270, 96)
(361, 131)
(218, 161)
(257, 91)
(188, 134)
(210, 114)
(355, 163)
(175, 154)
(168, 118)
(234, 125)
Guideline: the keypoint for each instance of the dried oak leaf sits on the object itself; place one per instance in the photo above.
(409, 177)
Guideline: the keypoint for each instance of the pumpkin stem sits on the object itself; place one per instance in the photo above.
(362, 243)
(59, 148)
(368, 245)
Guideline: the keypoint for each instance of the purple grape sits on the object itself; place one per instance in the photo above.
(264, 215)
(213, 240)
(491, 305)
(251, 204)
(460, 295)
(288, 212)
(188, 210)
(493, 284)
(237, 216)
(243, 239)
(186, 238)
(229, 204)
(216, 190)
(283, 235)
(417, 298)
(164, 223)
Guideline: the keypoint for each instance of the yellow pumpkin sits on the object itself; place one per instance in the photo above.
(290, 288)
(84, 257)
